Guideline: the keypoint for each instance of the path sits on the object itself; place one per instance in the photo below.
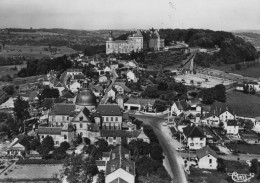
(168, 145)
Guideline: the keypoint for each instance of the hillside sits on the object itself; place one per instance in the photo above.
(253, 38)
(233, 49)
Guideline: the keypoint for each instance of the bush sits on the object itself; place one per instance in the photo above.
(65, 145)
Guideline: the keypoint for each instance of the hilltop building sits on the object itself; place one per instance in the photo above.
(134, 43)
(156, 41)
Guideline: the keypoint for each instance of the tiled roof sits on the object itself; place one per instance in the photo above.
(140, 101)
(63, 109)
(204, 151)
(119, 133)
(109, 110)
(193, 131)
(182, 105)
(126, 89)
(49, 130)
(68, 94)
(232, 122)
(79, 76)
(100, 163)
(49, 102)
(120, 161)
(137, 34)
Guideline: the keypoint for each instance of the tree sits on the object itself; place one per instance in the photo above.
(221, 165)
(159, 105)
(102, 145)
(162, 86)
(248, 124)
(101, 177)
(34, 144)
(79, 139)
(246, 88)
(139, 145)
(254, 168)
(156, 152)
(220, 93)
(65, 145)
(151, 92)
(208, 96)
(9, 89)
(87, 140)
(78, 169)
(49, 93)
(21, 109)
(59, 154)
(48, 142)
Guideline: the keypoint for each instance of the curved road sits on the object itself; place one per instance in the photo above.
(167, 145)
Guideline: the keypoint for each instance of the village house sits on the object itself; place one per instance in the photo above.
(121, 87)
(112, 93)
(139, 104)
(207, 158)
(194, 136)
(120, 168)
(58, 134)
(74, 86)
(109, 116)
(131, 76)
(232, 127)
(19, 145)
(179, 107)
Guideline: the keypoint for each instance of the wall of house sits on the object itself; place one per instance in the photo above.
(128, 106)
(174, 109)
(196, 143)
(204, 162)
(232, 130)
(226, 116)
(122, 174)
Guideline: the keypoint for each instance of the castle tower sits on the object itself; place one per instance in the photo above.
(110, 43)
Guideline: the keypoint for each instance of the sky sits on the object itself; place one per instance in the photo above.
(131, 14)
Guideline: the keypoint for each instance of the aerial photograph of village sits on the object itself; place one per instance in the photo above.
(129, 91)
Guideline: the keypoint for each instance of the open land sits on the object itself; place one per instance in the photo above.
(242, 104)
(47, 171)
(36, 52)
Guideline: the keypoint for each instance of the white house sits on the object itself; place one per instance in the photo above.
(207, 158)
(232, 127)
(131, 76)
(194, 137)
(120, 168)
(179, 107)
(226, 115)
(74, 87)
(255, 85)
(112, 93)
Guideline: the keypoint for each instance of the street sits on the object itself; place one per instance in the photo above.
(167, 144)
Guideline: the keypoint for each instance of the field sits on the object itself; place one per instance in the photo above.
(36, 52)
(245, 148)
(213, 176)
(245, 105)
(30, 172)
(4, 70)
(252, 71)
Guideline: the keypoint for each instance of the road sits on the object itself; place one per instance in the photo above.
(167, 145)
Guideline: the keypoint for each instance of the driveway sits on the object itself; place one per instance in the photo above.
(168, 145)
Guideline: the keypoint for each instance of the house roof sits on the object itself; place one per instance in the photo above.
(68, 94)
(20, 139)
(49, 130)
(49, 102)
(193, 131)
(182, 105)
(109, 110)
(122, 84)
(232, 122)
(100, 163)
(63, 109)
(140, 101)
(205, 151)
(119, 133)
(120, 161)
(137, 34)
(79, 76)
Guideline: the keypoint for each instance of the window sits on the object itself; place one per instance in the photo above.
(63, 118)
(201, 138)
(191, 144)
(81, 118)
(116, 118)
(107, 119)
(65, 137)
(57, 142)
(43, 137)
(127, 168)
(201, 144)
(80, 125)
(210, 161)
(114, 138)
(112, 119)
(68, 118)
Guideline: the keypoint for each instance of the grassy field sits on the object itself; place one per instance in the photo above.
(245, 148)
(213, 176)
(36, 52)
(245, 105)
(4, 70)
(252, 71)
